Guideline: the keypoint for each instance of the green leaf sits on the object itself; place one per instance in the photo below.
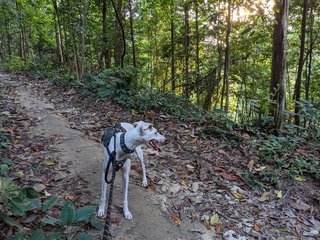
(38, 235)
(68, 213)
(49, 162)
(84, 236)
(18, 236)
(33, 204)
(7, 161)
(49, 220)
(18, 174)
(4, 169)
(17, 208)
(50, 203)
(85, 213)
(30, 192)
(8, 220)
(95, 222)
(54, 236)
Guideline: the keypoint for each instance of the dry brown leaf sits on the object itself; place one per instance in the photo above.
(218, 228)
(264, 197)
(229, 177)
(250, 165)
(300, 205)
(218, 168)
(302, 151)
(256, 227)
(176, 219)
(194, 140)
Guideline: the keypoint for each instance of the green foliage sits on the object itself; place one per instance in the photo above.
(284, 156)
(14, 64)
(3, 139)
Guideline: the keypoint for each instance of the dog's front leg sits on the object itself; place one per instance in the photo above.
(103, 193)
(125, 184)
(143, 168)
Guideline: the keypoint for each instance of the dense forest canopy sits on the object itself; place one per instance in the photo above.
(221, 55)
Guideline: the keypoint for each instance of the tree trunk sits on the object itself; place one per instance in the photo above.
(119, 50)
(186, 47)
(8, 39)
(58, 32)
(21, 38)
(297, 88)
(197, 55)
(278, 77)
(173, 68)
(227, 57)
(134, 58)
(105, 50)
(308, 79)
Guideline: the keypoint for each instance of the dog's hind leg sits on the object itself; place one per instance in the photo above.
(139, 153)
(125, 184)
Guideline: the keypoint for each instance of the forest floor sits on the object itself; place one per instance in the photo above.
(195, 189)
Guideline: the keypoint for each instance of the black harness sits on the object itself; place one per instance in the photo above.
(116, 165)
(106, 139)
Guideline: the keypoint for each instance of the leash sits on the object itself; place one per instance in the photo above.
(112, 160)
(116, 165)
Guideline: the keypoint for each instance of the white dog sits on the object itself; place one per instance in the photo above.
(126, 143)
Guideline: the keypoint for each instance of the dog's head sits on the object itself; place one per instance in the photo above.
(149, 134)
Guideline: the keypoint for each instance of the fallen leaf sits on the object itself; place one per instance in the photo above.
(176, 219)
(300, 151)
(250, 165)
(264, 197)
(218, 228)
(49, 162)
(237, 195)
(260, 168)
(39, 187)
(299, 179)
(46, 193)
(214, 219)
(300, 205)
(70, 197)
(183, 182)
(218, 169)
(283, 228)
(194, 140)
(256, 227)
(279, 194)
(229, 177)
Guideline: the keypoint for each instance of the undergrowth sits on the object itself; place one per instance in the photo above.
(291, 154)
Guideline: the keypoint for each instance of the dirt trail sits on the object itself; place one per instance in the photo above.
(83, 157)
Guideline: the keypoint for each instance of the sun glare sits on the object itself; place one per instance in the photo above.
(242, 13)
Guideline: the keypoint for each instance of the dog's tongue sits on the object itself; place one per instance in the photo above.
(155, 145)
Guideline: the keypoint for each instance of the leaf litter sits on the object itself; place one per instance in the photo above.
(219, 196)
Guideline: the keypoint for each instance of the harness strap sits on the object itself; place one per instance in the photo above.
(123, 144)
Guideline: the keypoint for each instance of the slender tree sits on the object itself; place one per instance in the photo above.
(227, 59)
(297, 88)
(172, 50)
(186, 47)
(134, 58)
(57, 24)
(279, 52)
(105, 50)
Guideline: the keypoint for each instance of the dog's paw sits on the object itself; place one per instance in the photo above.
(127, 214)
(144, 183)
(100, 212)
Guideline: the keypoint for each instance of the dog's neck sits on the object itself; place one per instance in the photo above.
(131, 140)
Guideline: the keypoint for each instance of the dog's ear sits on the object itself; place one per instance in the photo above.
(147, 126)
